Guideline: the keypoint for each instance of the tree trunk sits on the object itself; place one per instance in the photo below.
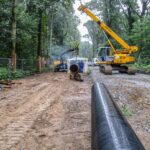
(144, 7)
(51, 35)
(39, 48)
(130, 19)
(13, 34)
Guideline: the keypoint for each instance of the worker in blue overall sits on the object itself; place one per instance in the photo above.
(81, 64)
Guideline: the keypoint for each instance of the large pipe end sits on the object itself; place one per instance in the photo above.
(74, 68)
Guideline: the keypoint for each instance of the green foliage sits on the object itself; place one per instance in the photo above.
(17, 74)
(58, 18)
(95, 34)
(141, 35)
(143, 67)
(130, 21)
(4, 74)
(59, 27)
(110, 12)
(86, 50)
(127, 112)
(7, 74)
(146, 68)
(89, 72)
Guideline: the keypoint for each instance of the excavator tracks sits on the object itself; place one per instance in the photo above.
(126, 69)
(131, 71)
(106, 69)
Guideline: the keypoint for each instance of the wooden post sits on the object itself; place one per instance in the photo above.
(13, 61)
(39, 64)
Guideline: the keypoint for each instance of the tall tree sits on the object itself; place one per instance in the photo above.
(39, 28)
(13, 31)
(96, 36)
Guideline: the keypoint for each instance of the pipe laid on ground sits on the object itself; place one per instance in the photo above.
(74, 68)
(74, 72)
(110, 130)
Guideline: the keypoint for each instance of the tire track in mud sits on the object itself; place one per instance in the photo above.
(26, 115)
(17, 93)
(74, 131)
(65, 124)
(16, 108)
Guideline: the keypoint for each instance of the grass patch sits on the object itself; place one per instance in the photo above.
(127, 112)
(89, 72)
(6, 74)
(142, 67)
(18, 74)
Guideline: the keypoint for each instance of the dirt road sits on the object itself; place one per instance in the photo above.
(132, 94)
(50, 112)
(46, 112)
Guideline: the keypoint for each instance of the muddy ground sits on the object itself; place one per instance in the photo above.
(46, 112)
(50, 112)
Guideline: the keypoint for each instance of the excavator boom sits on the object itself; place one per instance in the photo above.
(119, 58)
(126, 48)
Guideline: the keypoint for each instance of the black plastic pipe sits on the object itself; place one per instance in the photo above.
(110, 130)
(74, 68)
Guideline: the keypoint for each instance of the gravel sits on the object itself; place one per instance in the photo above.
(132, 91)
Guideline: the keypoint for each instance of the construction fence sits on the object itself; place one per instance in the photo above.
(22, 64)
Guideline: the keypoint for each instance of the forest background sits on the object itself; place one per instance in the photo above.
(33, 31)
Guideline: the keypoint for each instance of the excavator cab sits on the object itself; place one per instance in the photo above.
(105, 54)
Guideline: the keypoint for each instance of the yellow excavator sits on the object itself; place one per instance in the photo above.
(116, 59)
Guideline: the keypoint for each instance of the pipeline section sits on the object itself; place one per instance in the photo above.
(74, 68)
(74, 72)
(110, 130)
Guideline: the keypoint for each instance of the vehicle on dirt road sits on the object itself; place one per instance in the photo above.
(62, 65)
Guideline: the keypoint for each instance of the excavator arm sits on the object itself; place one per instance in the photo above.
(68, 51)
(126, 48)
